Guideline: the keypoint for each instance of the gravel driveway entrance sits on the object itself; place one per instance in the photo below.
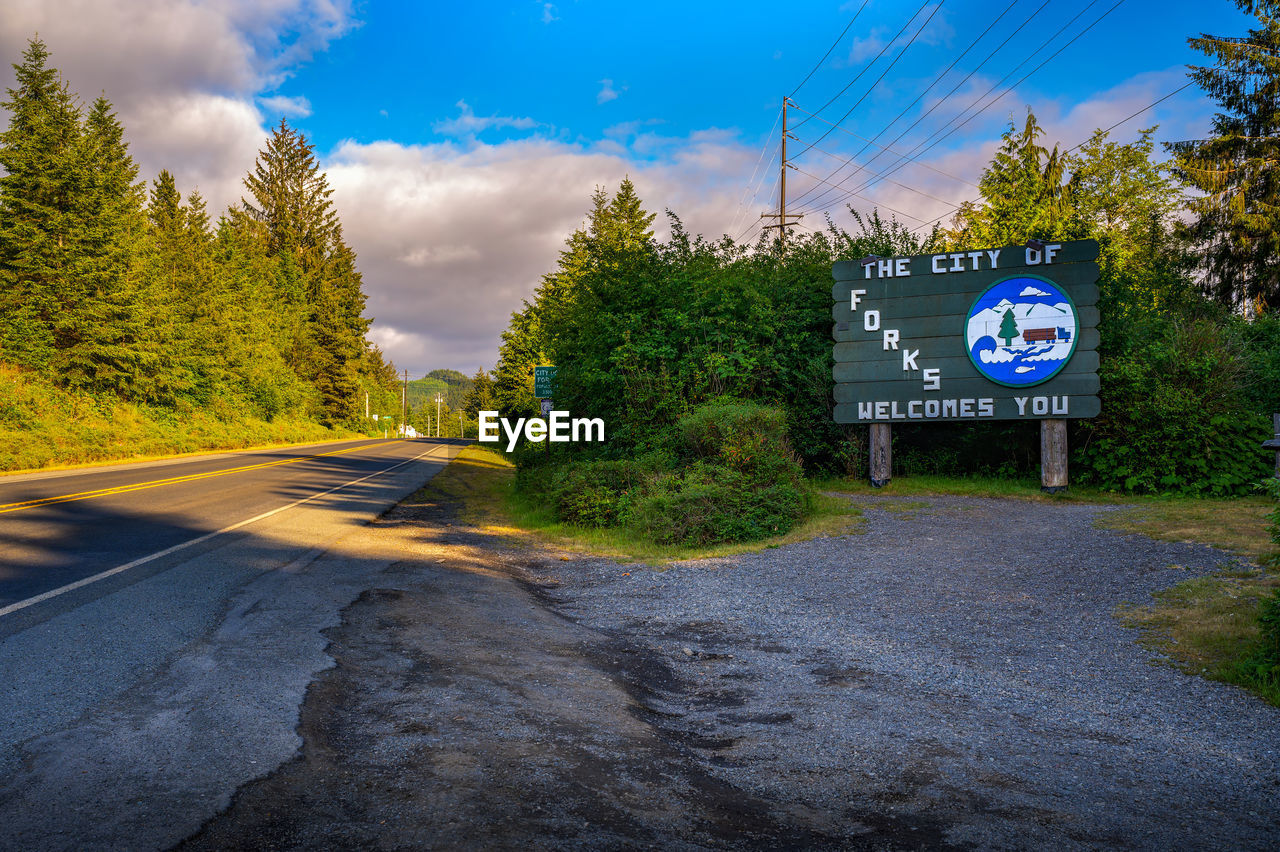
(953, 677)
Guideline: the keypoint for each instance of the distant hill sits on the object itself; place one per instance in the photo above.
(454, 385)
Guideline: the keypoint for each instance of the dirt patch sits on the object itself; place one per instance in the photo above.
(465, 710)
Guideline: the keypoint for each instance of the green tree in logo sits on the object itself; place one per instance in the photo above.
(1008, 327)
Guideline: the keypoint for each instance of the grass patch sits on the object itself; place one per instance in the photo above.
(1208, 626)
(482, 482)
(966, 486)
(1237, 525)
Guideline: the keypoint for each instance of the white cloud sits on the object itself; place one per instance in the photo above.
(549, 13)
(277, 105)
(867, 46)
(182, 74)
(1032, 291)
(452, 238)
(206, 141)
(468, 124)
(607, 92)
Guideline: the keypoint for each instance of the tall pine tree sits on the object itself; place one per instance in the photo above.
(103, 339)
(1236, 229)
(40, 154)
(317, 282)
(1022, 191)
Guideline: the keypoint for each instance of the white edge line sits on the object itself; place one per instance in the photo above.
(71, 587)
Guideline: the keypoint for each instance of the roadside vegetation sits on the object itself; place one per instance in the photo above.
(698, 352)
(131, 323)
(482, 482)
(43, 426)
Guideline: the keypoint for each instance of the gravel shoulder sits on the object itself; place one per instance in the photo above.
(955, 677)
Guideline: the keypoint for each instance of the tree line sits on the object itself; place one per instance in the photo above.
(126, 290)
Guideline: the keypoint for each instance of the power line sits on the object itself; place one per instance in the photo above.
(954, 89)
(883, 148)
(925, 91)
(752, 226)
(890, 180)
(1136, 114)
(867, 67)
(871, 88)
(833, 47)
(923, 147)
(953, 207)
(885, 206)
(763, 149)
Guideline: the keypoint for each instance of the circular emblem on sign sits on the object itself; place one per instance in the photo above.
(1021, 331)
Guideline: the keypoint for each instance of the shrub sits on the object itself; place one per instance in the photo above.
(731, 476)
(709, 504)
(1262, 668)
(1175, 417)
(595, 493)
(743, 436)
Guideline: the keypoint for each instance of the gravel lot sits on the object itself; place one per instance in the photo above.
(955, 676)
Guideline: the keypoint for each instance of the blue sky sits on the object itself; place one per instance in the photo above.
(676, 67)
(463, 140)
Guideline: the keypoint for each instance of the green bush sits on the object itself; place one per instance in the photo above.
(743, 436)
(1175, 415)
(595, 493)
(1262, 668)
(709, 504)
(730, 475)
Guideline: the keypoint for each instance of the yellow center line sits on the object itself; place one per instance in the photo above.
(124, 489)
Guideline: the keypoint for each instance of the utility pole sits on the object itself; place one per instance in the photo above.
(461, 431)
(404, 406)
(781, 215)
(439, 399)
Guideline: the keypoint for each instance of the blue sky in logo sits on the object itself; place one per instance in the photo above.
(1045, 337)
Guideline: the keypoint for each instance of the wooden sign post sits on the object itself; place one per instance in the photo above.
(997, 334)
(1053, 456)
(881, 454)
(1274, 443)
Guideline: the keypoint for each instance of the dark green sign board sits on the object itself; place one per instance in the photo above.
(996, 334)
(543, 377)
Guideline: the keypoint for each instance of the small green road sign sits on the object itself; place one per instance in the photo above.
(543, 379)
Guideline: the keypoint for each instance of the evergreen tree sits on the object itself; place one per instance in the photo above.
(626, 226)
(1023, 194)
(1008, 327)
(103, 338)
(616, 231)
(316, 279)
(1236, 230)
(165, 210)
(481, 396)
(40, 153)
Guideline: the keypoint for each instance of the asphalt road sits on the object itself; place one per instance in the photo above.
(159, 624)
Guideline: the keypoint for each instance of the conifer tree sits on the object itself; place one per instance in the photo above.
(317, 282)
(102, 337)
(40, 155)
(1236, 230)
(480, 397)
(1022, 193)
